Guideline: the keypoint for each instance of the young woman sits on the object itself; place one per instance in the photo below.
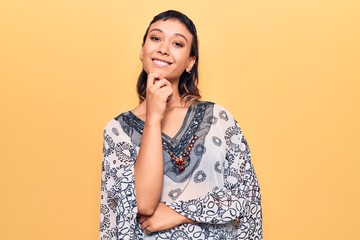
(176, 167)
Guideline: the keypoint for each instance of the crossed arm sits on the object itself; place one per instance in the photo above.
(153, 214)
(163, 218)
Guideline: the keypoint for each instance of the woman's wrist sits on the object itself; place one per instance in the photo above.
(153, 120)
(152, 124)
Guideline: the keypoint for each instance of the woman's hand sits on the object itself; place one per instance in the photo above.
(158, 93)
(163, 218)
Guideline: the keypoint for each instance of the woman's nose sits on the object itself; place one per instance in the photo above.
(163, 50)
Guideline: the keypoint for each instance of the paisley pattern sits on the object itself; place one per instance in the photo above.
(218, 189)
(174, 194)
(200, 176)
(216, 141)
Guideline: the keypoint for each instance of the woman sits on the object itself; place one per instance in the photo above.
(176, 167)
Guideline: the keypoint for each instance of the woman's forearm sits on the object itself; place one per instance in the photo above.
(149, 169)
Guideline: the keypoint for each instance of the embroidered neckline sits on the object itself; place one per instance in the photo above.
(139, 125)
(179, 146)
(183, 160)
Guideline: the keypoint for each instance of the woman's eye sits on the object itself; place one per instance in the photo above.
(154, 38)
(178, 44)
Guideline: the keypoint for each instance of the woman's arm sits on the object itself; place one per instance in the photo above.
(118, 206)
(149, 164)
(163, 218)
(108, 213)
(239, 199)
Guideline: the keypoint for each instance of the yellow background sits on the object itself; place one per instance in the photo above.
(288, 71)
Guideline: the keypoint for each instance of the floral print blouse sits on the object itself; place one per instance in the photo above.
(208, 177)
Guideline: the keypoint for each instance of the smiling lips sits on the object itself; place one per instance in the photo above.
(161, 62)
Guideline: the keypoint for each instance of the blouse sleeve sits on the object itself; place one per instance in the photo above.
(239, 199)
(117, 204)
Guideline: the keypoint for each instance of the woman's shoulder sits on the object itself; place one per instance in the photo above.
(218, 109)
(115, 125)
(113, 121)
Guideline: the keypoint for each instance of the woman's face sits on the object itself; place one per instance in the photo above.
(166, 50)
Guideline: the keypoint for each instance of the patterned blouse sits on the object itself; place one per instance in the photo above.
(208, 177)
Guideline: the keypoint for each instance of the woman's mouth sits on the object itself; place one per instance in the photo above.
(161, 62)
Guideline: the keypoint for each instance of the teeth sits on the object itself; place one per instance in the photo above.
(161, 62)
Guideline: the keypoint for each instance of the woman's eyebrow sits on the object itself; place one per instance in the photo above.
(177, 34)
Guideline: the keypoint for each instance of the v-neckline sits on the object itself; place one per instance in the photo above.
(179, 133)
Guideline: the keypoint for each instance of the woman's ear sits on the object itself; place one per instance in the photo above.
(141, 52)
(192, 61)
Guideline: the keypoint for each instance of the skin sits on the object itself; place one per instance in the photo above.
(165, 56)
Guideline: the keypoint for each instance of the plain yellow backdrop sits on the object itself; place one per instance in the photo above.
(289, 72)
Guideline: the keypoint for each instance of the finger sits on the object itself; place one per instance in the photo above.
(162, 82)
(141, 219)
(151, 79)
(161, 87)
(147, 231)
(165, 93)
(169, 97)
(145, 224)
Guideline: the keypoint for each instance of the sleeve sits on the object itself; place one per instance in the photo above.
(239, 199)
(117, 204)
